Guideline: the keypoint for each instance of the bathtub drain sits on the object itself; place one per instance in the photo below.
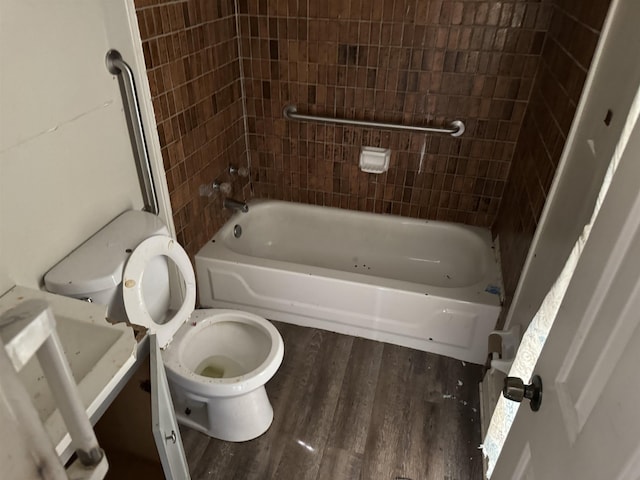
(237, 231)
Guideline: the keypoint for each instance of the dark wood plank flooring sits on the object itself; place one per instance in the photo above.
(349, 408)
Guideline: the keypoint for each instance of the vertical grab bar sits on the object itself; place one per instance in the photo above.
(117, 66)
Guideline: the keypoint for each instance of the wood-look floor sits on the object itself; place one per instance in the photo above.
(349, 408)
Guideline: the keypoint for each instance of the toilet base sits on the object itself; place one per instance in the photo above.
(233, 419)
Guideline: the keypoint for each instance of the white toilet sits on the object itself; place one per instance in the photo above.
(217, 361)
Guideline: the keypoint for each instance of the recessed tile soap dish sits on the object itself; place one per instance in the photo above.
(374, 159)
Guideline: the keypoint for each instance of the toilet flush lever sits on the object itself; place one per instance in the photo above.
(173, 437)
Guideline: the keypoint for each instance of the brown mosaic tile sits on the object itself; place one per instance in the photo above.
(193, 66)
(504, 67)
(408, 61)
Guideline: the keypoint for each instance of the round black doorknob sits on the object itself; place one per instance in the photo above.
(515, 389)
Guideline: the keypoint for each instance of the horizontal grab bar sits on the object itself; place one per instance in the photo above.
(290, 112)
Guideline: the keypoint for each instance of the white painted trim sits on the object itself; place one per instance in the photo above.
(551, 202)
(137, 63)
(139, 68)
(523, 470)
(631, 471)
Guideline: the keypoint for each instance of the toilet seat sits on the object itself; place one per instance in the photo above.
(134, 303)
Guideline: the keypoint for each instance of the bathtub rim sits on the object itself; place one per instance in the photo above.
(475, 293)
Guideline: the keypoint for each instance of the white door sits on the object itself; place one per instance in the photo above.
(588, 426)
(164, 424)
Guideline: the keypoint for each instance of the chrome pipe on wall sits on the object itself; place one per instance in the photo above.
(290, 112)
(117, 66)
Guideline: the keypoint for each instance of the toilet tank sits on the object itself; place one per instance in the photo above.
(93, 271)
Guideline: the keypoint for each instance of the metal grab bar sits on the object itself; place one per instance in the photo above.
(117, 66)
(290, 112)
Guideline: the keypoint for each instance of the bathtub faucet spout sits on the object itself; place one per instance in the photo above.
(235, 205)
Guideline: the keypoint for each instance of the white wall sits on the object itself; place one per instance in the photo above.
(66, 161)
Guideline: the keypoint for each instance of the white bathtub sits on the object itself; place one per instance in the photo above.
(427, 285)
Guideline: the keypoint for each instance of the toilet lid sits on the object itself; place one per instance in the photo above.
(132, 294)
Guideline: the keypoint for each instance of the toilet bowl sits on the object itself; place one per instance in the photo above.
(217, 366)
(217, 361)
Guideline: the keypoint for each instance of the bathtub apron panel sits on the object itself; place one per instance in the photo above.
(451, 314)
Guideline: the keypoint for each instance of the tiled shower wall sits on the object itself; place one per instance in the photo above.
(411, 61)
(191, 53)
(566, 56)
